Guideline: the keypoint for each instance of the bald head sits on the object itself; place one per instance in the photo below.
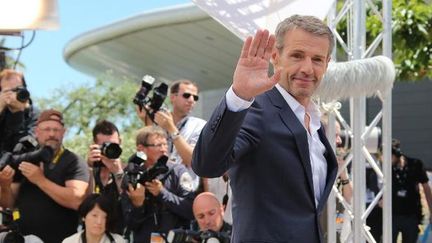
(208, 212)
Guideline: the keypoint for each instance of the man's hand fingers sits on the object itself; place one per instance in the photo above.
(246, 46)
(263, 44)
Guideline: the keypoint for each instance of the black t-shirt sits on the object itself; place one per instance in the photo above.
(42, 216)
(406, 196)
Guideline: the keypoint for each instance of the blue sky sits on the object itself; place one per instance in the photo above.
(45, 67)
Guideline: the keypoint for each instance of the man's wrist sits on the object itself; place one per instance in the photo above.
(173, 136)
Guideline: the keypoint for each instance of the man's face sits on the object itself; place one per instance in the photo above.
(112, 138)
(181, 104)
(303, 61)
(209, 213)
(50, 133)
(155, 147)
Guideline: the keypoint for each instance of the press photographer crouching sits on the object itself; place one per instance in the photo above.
(17, 114)
(208, 213)
(158, 205)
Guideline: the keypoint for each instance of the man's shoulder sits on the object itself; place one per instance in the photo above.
(196, 120)
(72, 157)
(414, 161)
(177, 168)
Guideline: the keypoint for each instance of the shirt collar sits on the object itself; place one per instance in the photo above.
(299, 110)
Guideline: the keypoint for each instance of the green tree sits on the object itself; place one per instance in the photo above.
(86, 104)
(411, 36)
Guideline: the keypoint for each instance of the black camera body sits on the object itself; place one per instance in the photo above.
(22, 94)
(109, 150)
(44, 154)
(154, 103)
(135, 173)
(190, 236)
(9, 232)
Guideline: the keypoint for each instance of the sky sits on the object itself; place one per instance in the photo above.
(45, 68)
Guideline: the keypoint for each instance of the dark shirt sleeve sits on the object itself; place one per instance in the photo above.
(78, 169)
(226, 137)
(14, 126)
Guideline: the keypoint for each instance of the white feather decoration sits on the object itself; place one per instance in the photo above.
(357, 78)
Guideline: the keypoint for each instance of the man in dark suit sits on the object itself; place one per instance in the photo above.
(267, 133)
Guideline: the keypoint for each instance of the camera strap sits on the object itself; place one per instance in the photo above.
(58, 155)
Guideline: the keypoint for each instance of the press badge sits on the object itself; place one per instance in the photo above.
(401, 193)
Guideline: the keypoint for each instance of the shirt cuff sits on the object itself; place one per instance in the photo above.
(235, 103)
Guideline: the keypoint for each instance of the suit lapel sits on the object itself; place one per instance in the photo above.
(293, 124)
(331, 168)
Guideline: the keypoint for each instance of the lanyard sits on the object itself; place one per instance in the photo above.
(58, 155)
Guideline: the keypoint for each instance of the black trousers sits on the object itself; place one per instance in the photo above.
(408, 226)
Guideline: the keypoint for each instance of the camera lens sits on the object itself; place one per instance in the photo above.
(22, 94)
(111, 150)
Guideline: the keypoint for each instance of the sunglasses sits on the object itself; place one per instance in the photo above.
(187, 95)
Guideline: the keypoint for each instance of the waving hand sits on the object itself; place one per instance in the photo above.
(251, 74)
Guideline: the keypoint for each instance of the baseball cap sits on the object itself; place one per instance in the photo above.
(51, 115)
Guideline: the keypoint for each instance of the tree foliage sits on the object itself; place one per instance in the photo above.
(411, 36)
(412, 39)
(84, 105)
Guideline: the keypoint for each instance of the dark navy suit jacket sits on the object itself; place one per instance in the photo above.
(265, 149)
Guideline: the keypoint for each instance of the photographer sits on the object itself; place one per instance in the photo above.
(209, 213)
(164, 203)
(183, 130)
(209, 225)
(106, 173)
(108, 170)
(17, 115)
(407, 175)
(48, 197)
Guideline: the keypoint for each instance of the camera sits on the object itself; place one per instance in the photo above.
(111, 150)
(372, 143)
(135, 173)
(154, 103)
(43, 154)
(9, 232)
(187, 236)
(22, 94)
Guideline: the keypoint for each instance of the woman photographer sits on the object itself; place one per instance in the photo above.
(97, 215)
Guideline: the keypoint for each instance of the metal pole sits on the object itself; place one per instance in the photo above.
(358, 122)
(331, 203)
(387, 129)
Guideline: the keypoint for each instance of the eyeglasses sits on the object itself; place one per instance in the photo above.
(187, 95)
(158, 145)
(49, 129)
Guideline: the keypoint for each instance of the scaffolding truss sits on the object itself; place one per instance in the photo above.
(354, 12)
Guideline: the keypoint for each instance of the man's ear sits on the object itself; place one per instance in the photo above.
(140, 148)
(275, 57)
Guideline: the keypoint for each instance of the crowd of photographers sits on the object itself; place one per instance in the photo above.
(49, 193)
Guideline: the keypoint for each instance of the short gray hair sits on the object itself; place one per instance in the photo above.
(310, 24)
